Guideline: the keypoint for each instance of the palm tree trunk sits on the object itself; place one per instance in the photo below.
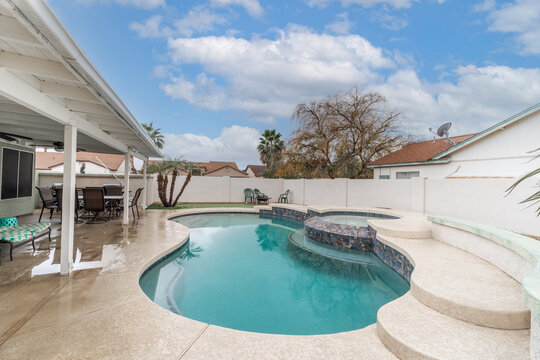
(173, 184)
(162, 189)
(188, 178)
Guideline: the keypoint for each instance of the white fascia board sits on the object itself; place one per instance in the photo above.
(24, 94)
(429, 162)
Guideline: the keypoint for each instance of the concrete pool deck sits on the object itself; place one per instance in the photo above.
(100, 312)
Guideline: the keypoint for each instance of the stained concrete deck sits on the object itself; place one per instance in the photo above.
(100, 312)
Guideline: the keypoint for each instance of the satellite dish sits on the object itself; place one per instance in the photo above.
(442, 131)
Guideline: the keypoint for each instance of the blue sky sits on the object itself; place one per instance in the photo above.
(213, 74)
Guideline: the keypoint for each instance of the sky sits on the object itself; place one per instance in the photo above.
(214, 74)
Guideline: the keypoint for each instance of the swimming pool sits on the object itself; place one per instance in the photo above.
(356, 220)
(241, 271)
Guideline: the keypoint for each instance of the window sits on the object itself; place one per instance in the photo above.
(407, 174)
(384, 177)
(17, 171)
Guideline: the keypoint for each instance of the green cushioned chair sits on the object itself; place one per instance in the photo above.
(18, 235)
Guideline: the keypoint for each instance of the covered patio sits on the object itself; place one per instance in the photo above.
(52, 96)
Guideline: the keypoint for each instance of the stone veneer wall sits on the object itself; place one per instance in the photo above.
(346, 236)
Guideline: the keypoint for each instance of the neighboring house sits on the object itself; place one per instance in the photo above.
(221, 168)
(255, 170)
(91, 163)
(501, 151)
(212, 168)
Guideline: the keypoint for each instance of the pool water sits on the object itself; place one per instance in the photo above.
(242, 272)
(355, 220)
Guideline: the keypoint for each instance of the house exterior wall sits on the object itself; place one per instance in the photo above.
(250, 173)
(18, 206)
(503, 154)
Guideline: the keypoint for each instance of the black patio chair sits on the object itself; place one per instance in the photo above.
(114, 206)
(48, 200)
(94, 202)
(260, 197)
(59, 197)
(133, 203)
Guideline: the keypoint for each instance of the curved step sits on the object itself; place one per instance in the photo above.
(461, 285)
(407, 228)
(412, 330)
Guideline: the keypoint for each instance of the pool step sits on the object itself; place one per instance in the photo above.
(412, 227)
(461, 285)
(413, 331)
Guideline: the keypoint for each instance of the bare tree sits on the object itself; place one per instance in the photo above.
(342, 134)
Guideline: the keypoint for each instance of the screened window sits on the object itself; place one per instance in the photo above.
(17, 170)
(407, 174)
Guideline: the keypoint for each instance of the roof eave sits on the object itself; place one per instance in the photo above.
(428, 162)
(44, 20)
(512, 119)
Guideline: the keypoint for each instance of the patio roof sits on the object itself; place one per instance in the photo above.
(47, 82)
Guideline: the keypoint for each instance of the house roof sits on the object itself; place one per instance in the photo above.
(234, 168)
(48, 160)
(419, 151)
(258, 170)
(215, 165)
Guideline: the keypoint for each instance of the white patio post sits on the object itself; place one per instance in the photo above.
(68, 199)
(144, 200)
(127, 168)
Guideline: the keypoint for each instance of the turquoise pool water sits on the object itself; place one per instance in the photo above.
(242, 272)
(355, 220)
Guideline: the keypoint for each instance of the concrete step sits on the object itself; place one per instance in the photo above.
(461, 285)
(410, 227)
(413, 331)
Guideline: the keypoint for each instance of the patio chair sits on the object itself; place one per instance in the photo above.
(249, 196)
(94, 202)
(18, 235)
(48, 200)
(133, 203)
(114, 206)
(284, 198)
(260, 197)
(59, 197)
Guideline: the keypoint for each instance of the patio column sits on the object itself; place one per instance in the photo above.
(144, 200)
(68, 199)
(127, 168)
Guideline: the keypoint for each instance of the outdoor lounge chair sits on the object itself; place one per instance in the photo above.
(94, 202)
(48, 200)
(284, 198)
(260, 197)
(249, 196)
(18, 235)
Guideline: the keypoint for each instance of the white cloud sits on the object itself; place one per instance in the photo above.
(521, 17)
(143, 4)
(253, 7)
(478, 98)
(267, 77)
(366, 3)
(389, 21)
(235, 143)
(197, 20)
(341, 26)
(151, 28)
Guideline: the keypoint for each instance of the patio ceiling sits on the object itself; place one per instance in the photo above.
(46, 82)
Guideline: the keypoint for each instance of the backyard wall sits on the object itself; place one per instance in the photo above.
(480, 200)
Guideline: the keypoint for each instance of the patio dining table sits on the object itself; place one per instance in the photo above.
(113, 200)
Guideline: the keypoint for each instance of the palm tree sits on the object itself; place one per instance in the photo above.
(174, 168)
(534, 198)
(155, 134)
(270, 148)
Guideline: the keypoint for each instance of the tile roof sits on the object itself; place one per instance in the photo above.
(214, 165)
(420, 151)
(258, 170)
(48, 160)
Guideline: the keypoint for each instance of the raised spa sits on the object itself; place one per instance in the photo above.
(243, 272)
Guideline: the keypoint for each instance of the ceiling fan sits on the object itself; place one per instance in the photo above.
(56, 145)
(13, 137)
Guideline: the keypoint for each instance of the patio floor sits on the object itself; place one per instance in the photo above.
(99, 311)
